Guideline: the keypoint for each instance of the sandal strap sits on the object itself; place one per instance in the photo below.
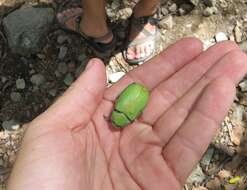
(142, 41)
(105, 37)
(140, 22)
(98, 39)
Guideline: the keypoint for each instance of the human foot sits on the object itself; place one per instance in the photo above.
(95, 34)
(142, 39)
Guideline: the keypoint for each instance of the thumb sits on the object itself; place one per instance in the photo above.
(78, 104)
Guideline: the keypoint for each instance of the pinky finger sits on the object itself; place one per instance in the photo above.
(189, 143)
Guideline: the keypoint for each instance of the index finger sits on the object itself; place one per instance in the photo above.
(160, 67)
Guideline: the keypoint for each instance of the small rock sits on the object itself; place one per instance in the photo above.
(208, 43)
(62, 52)
(224, 174)
(3, 79)
(20, 83)
(116, 76)
(214, 184)
(210, 3)
(195, 2)
(164, 11)
(207, 157)
(57, 74)
(125, 13)
(220, 36)
(26, 29)
(181, 11)
(115, 5)
(62, 39)
(15, 96)
(68, 80)
(37, 79)
(10, 125)
(1, 165)
(32, 71)
(210, 11)
(230, 187)
(62, 67)
(197, 175)
(238, 33)
(40, 55)
(236, 134)
(237, 114)
(81, 57)
(167, 22)
(173, 8)
(53, 92)
(185, 8)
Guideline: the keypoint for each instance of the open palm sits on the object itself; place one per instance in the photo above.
(73, 145)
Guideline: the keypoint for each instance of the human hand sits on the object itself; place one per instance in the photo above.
(73, 146)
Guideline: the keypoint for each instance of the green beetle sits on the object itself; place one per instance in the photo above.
(129, 105)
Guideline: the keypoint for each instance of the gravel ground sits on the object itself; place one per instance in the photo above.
(30, 84)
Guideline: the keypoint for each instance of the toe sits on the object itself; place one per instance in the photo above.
(138, 52)
(130, 54)
(143, 54)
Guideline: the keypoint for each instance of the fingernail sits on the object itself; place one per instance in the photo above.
(90, 64)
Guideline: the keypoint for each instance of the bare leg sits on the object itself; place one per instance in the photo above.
(93, 22)
(146, 8)
(143, 8)
(94, 18)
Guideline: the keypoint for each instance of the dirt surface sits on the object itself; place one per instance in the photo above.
(224, 164)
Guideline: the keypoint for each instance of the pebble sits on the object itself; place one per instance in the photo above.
(210, 11)
(26, 28)
(15, 96)
(167, 22)
(62, 52)
(243, 86)
(224, 174)
(210, 3)
(238, 33)
(214, 184)
(115, 76)
(57, 74)
(3, 79)
(164, 11)
(195, 2)
(207, 157)
(125, 13)
(81, 57)
(37, 79)
(62, 39)
(20, 83)
(221, 36)
(53, 92)
(115, 5)
(197, 175)
(62, 67)
(173, 8)
(10, 125)
(185, 8)
(68, 80)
